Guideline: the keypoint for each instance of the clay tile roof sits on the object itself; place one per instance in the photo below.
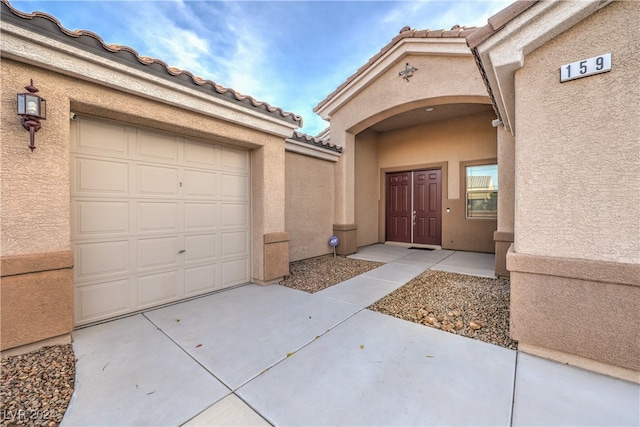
(406, 32)
(497, 21)
(88, 40)
(318, 142)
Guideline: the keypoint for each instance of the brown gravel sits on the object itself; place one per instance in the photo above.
(36, 387)
(315, 274)
(473, 307)
(470, 306)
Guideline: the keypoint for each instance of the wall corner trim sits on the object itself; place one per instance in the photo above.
(14, 265)
(582, 269)
(281, 236)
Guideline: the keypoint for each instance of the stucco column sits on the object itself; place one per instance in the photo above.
(345, 208)
(270, 248)
(503, 236)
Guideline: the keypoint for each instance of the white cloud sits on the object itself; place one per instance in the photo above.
(162, 38)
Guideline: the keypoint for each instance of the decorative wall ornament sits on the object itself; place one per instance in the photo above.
(407, 72)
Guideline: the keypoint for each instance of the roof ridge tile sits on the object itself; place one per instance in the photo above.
(312, 140)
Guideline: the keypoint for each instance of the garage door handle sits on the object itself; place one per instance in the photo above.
(181, 251)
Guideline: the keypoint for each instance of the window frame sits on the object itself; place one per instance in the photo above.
(464, 167)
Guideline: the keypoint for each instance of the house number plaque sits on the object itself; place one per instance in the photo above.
(586, 67)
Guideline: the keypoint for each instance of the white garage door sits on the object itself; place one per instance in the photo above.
(155, 218)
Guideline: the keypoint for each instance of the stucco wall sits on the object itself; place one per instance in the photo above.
(309, 205)
(445, 75)
(367, 188)
(439, 79)
(35, 222)
(453, 143)
(35, 186)
(577, 146)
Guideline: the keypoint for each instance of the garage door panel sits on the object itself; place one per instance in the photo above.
(234, 160)
(157, 181)
(200, 154)
(96, 259)
(200, 247)
(234, 215)
(235, 272)
(158, 288)
(156, 146)
(93, 218)
(101, 138)
(234, 187)
(102, 300)
(235, 244)
(155, 218)
(200, 184)
(201, 215)
(158, 252)
(198, 280)
(158, 216)
(101, 176)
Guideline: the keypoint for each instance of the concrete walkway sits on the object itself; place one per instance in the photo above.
(273, 355)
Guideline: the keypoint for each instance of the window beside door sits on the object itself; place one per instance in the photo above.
(482, 191)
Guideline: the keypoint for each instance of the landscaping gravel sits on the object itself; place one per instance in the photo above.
(36, 387)
(470, 306)
(315, 274)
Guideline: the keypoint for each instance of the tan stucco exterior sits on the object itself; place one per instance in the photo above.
(36, 215)
(575, 260)
(309, 205)
(584, 169)
(449, 145)
(446, 76)
(582, 164)
(567, 231)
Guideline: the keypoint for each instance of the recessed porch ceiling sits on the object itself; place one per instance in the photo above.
(421, 116)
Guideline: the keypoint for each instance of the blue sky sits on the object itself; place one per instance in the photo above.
(291, 54)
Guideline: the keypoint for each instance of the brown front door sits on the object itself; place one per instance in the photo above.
(426, 206)
(399, 207)
(414, 213)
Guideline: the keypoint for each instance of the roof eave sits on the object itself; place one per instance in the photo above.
(48, 26)
(383, 61)
(501, 46)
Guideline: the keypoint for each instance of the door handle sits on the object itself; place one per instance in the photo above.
(414, 217)
(181, 251)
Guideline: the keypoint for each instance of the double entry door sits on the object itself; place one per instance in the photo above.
(413, 210)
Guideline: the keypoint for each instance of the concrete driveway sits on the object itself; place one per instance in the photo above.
(272, 355)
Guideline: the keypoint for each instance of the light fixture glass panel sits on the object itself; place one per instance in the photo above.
(21, 104)
(33, 105)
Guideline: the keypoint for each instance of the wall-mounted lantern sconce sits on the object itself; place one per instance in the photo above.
(32, 108)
